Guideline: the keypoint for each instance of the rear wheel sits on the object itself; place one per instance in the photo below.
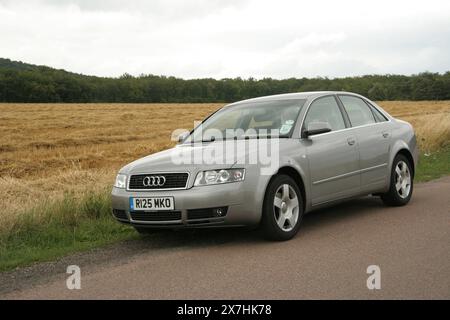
(401, 187)
(282, 209)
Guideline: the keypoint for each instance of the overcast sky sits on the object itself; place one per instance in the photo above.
(229, 38)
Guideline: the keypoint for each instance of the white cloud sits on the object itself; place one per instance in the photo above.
(216, 38)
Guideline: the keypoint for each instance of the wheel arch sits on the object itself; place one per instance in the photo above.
(405, 152)
(401, 147)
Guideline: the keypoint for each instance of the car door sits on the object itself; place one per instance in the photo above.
(333, 157)
(373, 133)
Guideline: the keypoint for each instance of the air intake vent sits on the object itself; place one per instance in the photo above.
(156, 216)
(207, 213)
(120, 214)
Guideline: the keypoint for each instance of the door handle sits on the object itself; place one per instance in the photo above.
(351, 141)
(385, 134)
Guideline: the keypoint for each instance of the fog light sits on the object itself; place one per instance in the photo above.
(218, 212)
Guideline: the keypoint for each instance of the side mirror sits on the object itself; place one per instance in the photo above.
(183, 136)
(316, 128)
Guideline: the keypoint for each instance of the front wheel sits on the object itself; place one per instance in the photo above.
(282, 209)
(401, 187)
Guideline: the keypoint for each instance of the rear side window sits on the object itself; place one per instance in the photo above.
(358, 111)
(378, 115)
(325, 109)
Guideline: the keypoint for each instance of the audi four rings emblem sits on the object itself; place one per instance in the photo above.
(154, 181)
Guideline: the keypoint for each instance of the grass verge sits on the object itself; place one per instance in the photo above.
(58, 228)
(74, 224)
(433, 166)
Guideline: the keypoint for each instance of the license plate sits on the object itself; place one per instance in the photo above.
(152, 204)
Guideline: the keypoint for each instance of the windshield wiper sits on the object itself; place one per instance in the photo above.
(265, 137)
(244, 137)
(212, 139)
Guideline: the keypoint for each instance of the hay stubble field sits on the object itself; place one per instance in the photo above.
(49, 149)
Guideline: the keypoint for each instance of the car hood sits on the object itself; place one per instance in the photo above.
(185, 158)
(190, 158)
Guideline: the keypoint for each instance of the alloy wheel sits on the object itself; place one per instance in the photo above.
(403, 179)
(286, 207)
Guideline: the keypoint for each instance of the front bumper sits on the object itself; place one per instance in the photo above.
(243, 207)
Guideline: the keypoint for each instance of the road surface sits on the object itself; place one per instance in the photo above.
(327, 259)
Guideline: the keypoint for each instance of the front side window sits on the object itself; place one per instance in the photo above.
(250, 120)
(358, 111)
(325, 109)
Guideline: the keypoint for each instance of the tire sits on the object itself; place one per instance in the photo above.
(401, 185)
(282, 209)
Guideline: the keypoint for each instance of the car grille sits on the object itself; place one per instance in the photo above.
(156, 216)
(120, 214)
(173, 181)
(206, 213)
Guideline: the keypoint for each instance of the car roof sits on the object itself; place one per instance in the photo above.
(292, 96)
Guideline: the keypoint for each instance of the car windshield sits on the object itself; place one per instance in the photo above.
(250, 120)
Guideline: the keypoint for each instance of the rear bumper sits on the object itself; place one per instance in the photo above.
(241, 207)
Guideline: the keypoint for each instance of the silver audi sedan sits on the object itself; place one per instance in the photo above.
(267, 161)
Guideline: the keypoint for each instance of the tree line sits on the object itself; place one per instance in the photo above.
(21, 82)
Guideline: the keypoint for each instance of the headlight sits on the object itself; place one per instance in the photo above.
(121, 181)
(219, 176)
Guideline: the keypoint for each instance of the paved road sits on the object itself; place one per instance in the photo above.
(328, 259)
